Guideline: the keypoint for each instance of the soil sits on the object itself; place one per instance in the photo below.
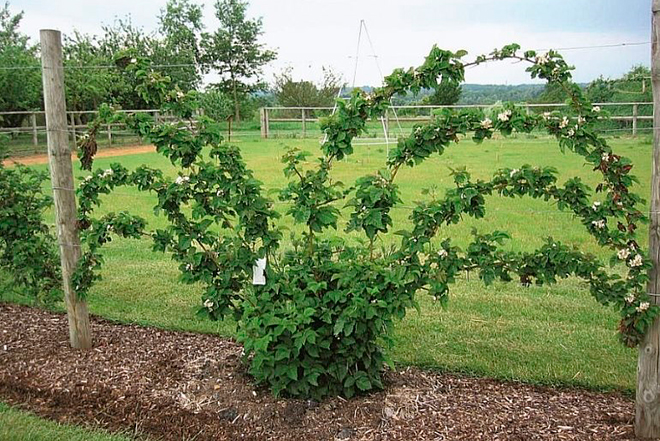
(42, 158)
(175, 385)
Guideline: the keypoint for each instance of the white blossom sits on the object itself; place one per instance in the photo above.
(542, 59)
(564, 123)
(513, 172)
(643, 307)
(546, 115)
(630, 298)
(108, 172)
(637, 261)
(180, 94)
(595, 206)
(599, 223)
(88, 178)
(486, 123)
(434, 265)
(208, 303)
(189, 267)
(595, 109)
(571, 132)
(581, 120)
(133, 60)
(504, 116)
(605, 157)
(443, 253)
(181, 179)
(623, 253)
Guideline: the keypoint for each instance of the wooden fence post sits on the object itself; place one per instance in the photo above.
(634, 120)
(61, 172)
(647, 398)
(263, 113)
(304, 124)
(35, 134)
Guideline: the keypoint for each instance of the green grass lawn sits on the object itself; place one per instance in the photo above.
(16, 425)
(546, 335)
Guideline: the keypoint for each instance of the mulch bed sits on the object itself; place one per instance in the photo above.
(175, 385)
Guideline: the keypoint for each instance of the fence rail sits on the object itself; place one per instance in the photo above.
(37, 123)
(34, 121)
(306, 115)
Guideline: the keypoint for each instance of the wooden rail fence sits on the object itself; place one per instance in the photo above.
(305, 114)
(301, 115)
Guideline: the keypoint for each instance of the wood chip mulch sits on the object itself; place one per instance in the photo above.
(176, 386)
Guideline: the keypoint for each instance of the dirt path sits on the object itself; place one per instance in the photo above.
(42, 158)
(174, 386)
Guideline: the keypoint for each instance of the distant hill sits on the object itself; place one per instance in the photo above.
(474, 93)
(492, 93)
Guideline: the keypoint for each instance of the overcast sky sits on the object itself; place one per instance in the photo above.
(309, 34)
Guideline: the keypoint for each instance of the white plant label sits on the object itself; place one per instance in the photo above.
(259, 272)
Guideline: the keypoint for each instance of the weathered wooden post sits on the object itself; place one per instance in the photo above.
(647, 398)
(35, 134)
(263, 113)
(634, 120)
(61, 173)
(304, 124)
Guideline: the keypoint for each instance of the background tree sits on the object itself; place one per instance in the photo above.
(552, 93)
(20, 88)
(180, 25)
(600, 90)
(86, 88)
(217, 105)
(291, 93)
(234, 52)
(123, 35)
(447, 93)
(633, 86)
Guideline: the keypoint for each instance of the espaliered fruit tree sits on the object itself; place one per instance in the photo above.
(320, 322)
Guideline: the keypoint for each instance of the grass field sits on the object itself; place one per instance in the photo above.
(545, 335)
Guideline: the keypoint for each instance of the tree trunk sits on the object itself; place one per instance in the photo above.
(237, 106)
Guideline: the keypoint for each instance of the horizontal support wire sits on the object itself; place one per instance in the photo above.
(410, 207)
(210, 65)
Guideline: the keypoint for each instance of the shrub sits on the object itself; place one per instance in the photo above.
(28, 250)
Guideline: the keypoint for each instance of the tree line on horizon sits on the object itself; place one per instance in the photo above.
(234, 55)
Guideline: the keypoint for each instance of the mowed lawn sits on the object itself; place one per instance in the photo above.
(547, 335)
